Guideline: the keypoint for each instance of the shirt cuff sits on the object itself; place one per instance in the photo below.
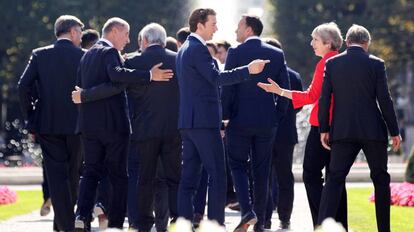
(150, 75)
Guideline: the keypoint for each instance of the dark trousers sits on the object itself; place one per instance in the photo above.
(133, 167)
(252, 144)
(283, 179)
(168, 150)
(161, 199)
(200, 198)
(316, 158)
(62, 157)
(202, 148)
(161, 193)
(45, 185)
(343, 156)
(105, 153)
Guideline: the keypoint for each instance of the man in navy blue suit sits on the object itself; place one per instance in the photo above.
(52, 116)
(104, 123)
(254, 116)
(200, 115)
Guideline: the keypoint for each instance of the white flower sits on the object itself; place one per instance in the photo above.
(330, 225)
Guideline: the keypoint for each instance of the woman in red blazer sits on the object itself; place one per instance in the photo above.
(326, 42)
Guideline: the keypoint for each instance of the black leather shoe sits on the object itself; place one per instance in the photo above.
(82, 224)
(258, 228)
(197, 219)
(247, 220)
(284, 225)
(268, 225)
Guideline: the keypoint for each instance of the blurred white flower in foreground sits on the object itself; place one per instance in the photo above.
(330, 225)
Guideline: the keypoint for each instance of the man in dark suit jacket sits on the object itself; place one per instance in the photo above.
(52, 115)
(104, 123)
(200, 115)
(154, 117)
(254, 116)
(362, 112)
(281, 179)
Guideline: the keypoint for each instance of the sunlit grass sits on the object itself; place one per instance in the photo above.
(27, 201)
(361, 213)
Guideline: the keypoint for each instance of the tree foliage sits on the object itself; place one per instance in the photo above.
(29, 24)
(391, 24)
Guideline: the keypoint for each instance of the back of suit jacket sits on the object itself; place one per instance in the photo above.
(363, 107)
(47, 83)
(154, 107)
(246, 104)
(105, 115)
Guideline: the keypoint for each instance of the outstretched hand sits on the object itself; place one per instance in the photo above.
(271, 87)
(161, 74)
(257, 66)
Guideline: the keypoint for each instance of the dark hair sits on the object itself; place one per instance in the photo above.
(211, 44)
(199, 16)
(89, 38)
(254, 23)
(223, 43)
(272, 41)
(64, 23)
(182, 34)
(171, 44)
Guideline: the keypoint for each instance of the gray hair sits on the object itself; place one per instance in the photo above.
(64, 23)
(154, 33)
(329, 33)
(358, 34)
(113, 22)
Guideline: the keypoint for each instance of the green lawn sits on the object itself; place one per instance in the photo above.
(27, 201)
(361, 213)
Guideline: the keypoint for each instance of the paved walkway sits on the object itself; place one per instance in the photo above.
(33, 222)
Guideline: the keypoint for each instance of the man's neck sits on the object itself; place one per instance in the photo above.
(107, 40)
(199, 37)
(250, 37)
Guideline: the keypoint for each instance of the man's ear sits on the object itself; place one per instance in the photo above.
(200, 26)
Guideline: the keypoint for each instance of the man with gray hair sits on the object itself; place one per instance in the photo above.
(44, 88)
(362, 112)
(104, 121)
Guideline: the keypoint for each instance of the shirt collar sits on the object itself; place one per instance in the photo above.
(252, 37)
(64, 39)
(198, 37)
(355, 45)
(107, 41)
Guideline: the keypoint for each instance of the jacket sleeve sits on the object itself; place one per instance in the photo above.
(204, 64)
(118, 73)
(384, 99)
(296, 84)
(26, 87)
(102, 91)
(325, 101)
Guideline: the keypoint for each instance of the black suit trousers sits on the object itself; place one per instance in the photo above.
(168, 151)
(316, 159)
(62, 160)
(282, 167)
(105, 153)
(343, 156)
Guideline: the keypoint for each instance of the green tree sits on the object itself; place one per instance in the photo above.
(29, 24)
(391, 24)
